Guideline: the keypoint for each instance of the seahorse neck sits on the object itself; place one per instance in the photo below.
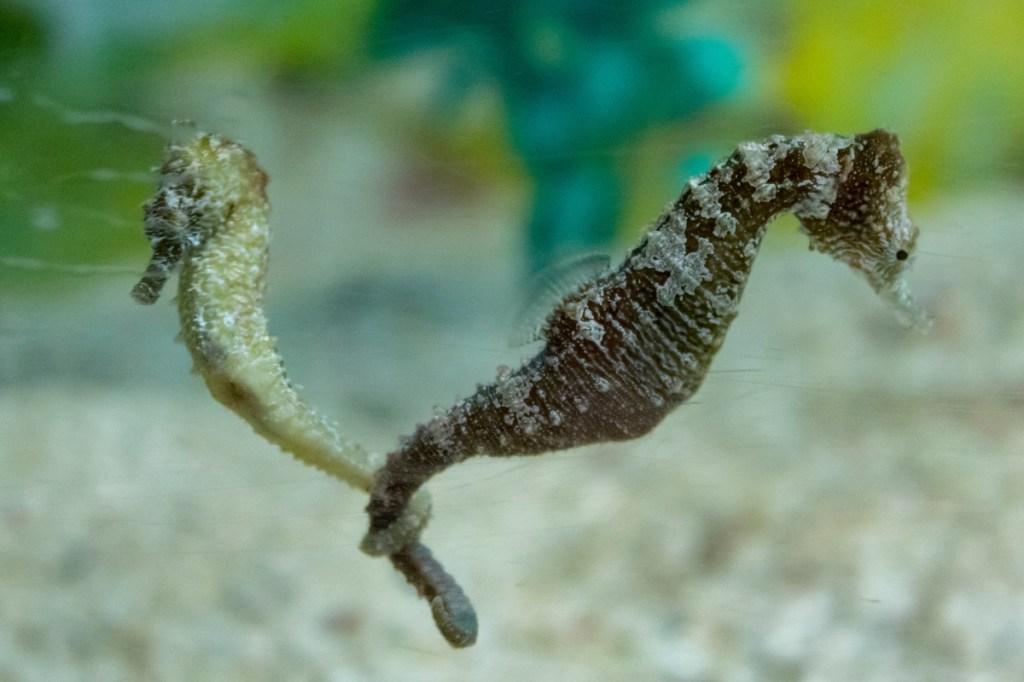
(712, 232)
(687, 276)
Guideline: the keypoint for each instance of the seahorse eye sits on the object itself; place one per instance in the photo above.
(902, 255)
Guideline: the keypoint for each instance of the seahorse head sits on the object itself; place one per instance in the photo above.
(866, 225)
(202, 180)
(205, 176)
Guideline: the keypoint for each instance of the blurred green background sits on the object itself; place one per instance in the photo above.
(469, 92)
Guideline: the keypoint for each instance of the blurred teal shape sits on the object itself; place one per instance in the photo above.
(579, 80)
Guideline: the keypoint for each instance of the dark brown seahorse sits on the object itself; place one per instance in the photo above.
(625, 349)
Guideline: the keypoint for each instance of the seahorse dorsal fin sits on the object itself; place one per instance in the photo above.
(547, 289)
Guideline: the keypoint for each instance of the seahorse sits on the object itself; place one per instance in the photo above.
(211, 215)
(627, 347)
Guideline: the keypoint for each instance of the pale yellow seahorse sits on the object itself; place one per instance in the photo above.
(211, 215)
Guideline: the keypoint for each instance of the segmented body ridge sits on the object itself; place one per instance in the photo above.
(625, 349)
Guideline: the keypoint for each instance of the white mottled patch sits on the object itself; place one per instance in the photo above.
(439, 430)
(513, 394)
(678, 220)
(750, 248)
(723, 303)
(759, 162)
(821, 151)
(586, 326)
(590, 330)
(687, 271)
(821, 156)
(765, 192)
(725, 224)
(760, 159)
(708, 196)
